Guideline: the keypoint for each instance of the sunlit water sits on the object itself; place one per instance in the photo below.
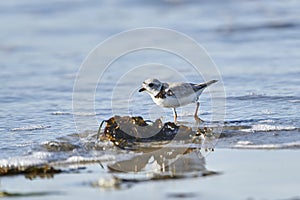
(254, 44)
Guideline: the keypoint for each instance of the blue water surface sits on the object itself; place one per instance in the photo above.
(254, 44)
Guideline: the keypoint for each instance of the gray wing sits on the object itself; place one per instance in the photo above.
(186, 89)
(180, 89)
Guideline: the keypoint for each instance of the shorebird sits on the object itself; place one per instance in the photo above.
(175, 94)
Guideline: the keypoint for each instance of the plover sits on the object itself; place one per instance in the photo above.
(175, 94)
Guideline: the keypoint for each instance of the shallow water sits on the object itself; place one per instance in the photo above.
(255, 45)
(242, 177)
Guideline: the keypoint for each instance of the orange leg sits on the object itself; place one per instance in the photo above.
(175, 115)
(196, 113)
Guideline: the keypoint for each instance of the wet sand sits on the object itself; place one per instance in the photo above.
(243, 174)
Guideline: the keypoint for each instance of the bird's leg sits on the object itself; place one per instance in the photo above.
(196, 113)
(175, 115)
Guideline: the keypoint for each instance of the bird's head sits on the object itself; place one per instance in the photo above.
(152, 86)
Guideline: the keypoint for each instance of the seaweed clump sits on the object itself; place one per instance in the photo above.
(124, 131)
(30, 172)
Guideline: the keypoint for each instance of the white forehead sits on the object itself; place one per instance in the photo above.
(152, 80)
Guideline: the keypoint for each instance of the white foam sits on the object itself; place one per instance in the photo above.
(75, 113)
(267, 112)
(21, 162)
(290, 145)
(267, 127)
(34, 159)
(60, 113)
(244, 143)
(84, 113)
(267, 121)
(295, 101)
(31, 127)
(78, 159)
(42, 155)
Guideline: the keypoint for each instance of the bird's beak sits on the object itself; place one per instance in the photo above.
(142, 89)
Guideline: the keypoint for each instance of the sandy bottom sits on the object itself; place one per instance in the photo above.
(243, 174)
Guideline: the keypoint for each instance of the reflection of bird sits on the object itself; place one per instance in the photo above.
(173, 95)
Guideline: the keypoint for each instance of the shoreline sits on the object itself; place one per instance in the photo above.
(241, 174)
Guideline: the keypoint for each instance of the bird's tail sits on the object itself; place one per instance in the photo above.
(202, 86)
(209, 83)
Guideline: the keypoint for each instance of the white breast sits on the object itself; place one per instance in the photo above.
(173, 102)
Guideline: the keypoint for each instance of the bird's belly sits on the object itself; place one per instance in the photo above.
(173, 102)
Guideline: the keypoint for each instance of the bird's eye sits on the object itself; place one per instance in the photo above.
(150, 84)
